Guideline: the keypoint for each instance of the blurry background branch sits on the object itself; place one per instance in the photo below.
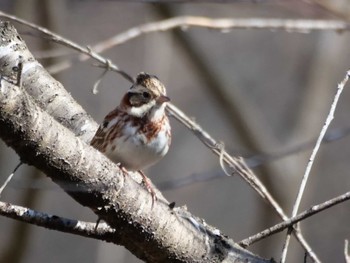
(185, 22)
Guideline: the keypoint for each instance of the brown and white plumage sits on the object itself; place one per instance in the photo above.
(137, 133)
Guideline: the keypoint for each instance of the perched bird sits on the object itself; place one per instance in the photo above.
(136, 134)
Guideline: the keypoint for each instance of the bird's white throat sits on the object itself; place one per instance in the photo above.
(154, 111)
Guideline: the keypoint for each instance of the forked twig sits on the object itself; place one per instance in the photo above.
(306, 175)
(98, 81)
(290, 222)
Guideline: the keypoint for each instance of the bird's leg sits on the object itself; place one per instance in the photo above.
(124, 171)
(149, 187)
(146, 181)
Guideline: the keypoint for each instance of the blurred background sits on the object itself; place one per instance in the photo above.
(263, 93)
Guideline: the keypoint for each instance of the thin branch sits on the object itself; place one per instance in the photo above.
(61, 40)
(285, 246)
(99, 79)
(328, 121)
(9, 178)
(306, 175)
(346, 251)
(290, 222)
(184, 22)
(223, 25)
(72, 226)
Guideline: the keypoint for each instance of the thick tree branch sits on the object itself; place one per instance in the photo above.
(105, 233)
(154, 235)
(47, 92)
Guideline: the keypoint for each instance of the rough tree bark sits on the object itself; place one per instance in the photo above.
(48, 129)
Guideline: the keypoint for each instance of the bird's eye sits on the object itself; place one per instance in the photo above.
(146, 95)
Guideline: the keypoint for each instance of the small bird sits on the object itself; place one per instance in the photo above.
(137, 133)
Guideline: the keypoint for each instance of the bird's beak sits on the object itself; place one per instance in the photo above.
(163, 99)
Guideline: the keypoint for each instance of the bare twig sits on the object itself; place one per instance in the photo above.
(9, 178)
(285, 246)
(305, 178)
(73, 226)
(224, 25)
(221, 147)
(61, 40)
(98, 81)
(184, 22)
(346, 251)
(290, 222)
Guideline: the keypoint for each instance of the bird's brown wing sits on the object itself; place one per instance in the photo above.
(99, 141)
